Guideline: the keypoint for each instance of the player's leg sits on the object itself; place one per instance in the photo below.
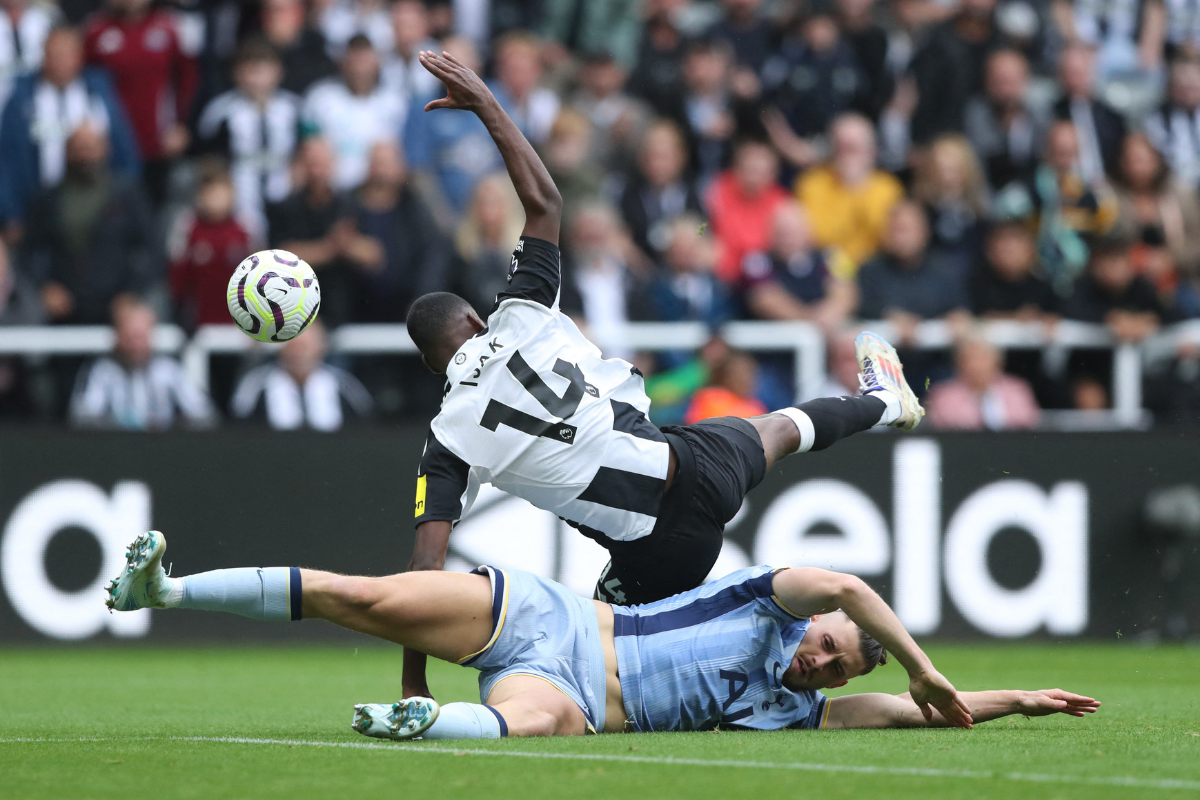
(887, 399)
(447, 615)
(532, 707)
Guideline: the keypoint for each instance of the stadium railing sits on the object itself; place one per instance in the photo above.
(804, 340)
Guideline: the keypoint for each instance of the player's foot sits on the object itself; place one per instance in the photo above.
(881, 370)
(141, 582)
(404, 720)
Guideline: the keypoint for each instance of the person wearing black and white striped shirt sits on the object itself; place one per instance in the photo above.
(255, 125)
(533, 408)
(133, 389)
(301, 390)
(1175, 127)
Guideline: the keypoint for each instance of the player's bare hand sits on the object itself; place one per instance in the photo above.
(464, 89)
(1055, 701)
(931, 690)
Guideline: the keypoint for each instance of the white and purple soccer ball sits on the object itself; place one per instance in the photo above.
(273, 296)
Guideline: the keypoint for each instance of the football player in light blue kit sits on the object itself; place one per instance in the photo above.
(753, 649)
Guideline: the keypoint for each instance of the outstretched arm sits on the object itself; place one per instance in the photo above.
(465, 90)
(807, 591)
(899, 711)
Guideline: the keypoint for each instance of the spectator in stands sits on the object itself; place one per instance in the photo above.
(155, 78)
(596, 271)
(950, 185)
(133, 389)
(412, 257)
(981, 396)
(706, 111)
(730, 392)
(792, 280)
(1164, 219)
(1127, 36)
(518, 74)
(1005, 133)
(484, 240)
(685, 288)
(660, 190)
(1006, 286)
(871, 47)
(43, 111)
(1112, 293)
(811, 79)
(450, 149)
(741, 202)
(300, 46)
(1101, 129)
(618, 119)
(410, 32)
(905, 284)
(841, 368)
(572, 161)
(750, 35)
(658, 76)
(254, 126)
(949, 68)
(316, 222)
(24, 27)
(207, 245)
(88, 239)
(1175, 127)
(849, 201)
(301, 390)
(590, 26)
(1065, 208)
(354, 112)
(341, 21)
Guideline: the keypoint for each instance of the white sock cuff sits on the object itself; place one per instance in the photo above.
(808, 434)
(467, 721)
(893, 410)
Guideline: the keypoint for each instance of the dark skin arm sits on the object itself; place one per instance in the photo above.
(538, 194)
(543, 216)
(429, 553)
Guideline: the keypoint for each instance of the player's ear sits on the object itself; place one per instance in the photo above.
(429, 366)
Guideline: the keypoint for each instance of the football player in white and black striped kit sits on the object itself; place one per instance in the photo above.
(533, 408)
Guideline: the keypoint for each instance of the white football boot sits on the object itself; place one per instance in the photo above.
(407, 719)
(141, 582)
(881, 369)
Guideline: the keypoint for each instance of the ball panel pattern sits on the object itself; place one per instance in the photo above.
(273, 296)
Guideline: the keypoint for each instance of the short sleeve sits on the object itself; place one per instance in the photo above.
(442, 482)
(818, 713)
(534, 273)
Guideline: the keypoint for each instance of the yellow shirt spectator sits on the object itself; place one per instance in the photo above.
(851, 219)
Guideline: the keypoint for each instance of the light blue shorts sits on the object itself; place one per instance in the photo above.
(541, 628)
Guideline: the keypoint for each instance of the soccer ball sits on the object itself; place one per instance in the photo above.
(273, 296)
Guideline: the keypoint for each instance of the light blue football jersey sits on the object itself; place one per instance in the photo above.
(714, 656)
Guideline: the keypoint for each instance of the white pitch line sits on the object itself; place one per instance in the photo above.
(920, 772)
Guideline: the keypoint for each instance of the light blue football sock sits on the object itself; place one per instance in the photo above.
(467, 721)
(271, 594)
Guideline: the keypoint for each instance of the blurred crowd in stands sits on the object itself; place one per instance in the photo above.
(818, 160)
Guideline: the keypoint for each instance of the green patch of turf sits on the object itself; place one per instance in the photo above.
(132, 700)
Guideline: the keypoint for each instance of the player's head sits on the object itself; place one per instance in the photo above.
(833, 651)
(439, 323)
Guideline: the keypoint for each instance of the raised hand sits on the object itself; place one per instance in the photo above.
(464, 89)
(930, 688)
(1055, 701)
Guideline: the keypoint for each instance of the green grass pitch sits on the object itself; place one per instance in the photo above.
(139, 722)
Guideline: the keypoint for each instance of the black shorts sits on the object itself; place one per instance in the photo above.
(717, 462)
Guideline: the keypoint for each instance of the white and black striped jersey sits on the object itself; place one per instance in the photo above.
(327, 399)
(532, 408)
(153, 397)
(258, 143)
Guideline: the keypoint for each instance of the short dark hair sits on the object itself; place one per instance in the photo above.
(430, 316)
(360, 41)
(254, 49)
(872, 650)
